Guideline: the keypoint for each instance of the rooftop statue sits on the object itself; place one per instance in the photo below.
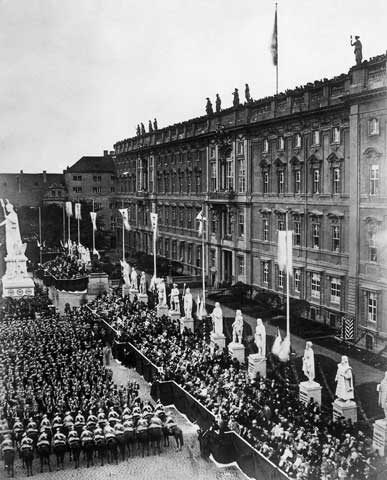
(209, 109)
(358, 51)
(236, 98)
(218, 104)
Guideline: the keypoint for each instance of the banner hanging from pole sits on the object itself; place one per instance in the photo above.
(69, 209)
(154, 222)
(125, 217)
(201, 218)
(77, 211)
(274, 40)
(285, 250)
(93, 216)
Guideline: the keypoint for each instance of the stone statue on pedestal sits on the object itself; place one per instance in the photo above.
(382, 400)
(12, 232)
(143, 283)
(161, 292)
(358, 51)
(188, 303)
(236, 98)
(218, 104)
(344, 389)
(175, 300)
(260, 337)
(237, 327)
(133, 279)
(217, 319)
(209, 109)
(125, 269)
(308, 362)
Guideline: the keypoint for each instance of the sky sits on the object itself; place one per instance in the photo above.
(78, 75)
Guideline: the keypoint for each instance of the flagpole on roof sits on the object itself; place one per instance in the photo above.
(93, 231)
(123, 234)
(287, 278)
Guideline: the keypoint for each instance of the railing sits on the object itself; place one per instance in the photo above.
(222, 195)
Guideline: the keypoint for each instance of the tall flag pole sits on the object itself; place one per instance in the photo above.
(69, 212)
(274, 49)
(77, 210)
(202, 219)
(93, 217)
(154, 222)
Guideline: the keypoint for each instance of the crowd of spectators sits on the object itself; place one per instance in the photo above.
(66, 266)
(26, 308)
(303, 440)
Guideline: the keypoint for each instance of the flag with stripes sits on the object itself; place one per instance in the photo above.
(154, 222)
(93, 216)
(348, 328)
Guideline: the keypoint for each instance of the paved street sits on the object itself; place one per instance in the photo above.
(170, 465)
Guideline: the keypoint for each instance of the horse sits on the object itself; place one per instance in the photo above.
(9, 460)
(27, 455)
(121, 440)
(174, 431)
(143, 438)
(130, 436)
(59, 449)
(44, 455)
(155, 432)
(111, 442)
(100, 445)
(88, 448)
(75, 450)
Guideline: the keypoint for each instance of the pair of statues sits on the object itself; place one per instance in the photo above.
(175, 299)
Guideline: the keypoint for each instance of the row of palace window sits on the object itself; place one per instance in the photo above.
(94, 189)
(224, 179)
(315, 233)
(96, 178)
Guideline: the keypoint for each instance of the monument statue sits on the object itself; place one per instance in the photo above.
(260, 337)
(209, 109)
(16, 282)
(358, 51)
(143, 284)
(344, 379)
(308, 362)
(12, 232)
(125, 269)
(247, 93)
(237, 327)
(218, 104)
(133, 279)
(175, 300)
(382, 401)
(188, 303)
(217, 319)
(236, 98)
(161, 292)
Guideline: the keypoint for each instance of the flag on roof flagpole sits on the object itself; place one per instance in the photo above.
(125, 217)
(274, 47)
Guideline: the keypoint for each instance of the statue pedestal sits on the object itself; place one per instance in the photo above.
(237, 350)
(143, 298)
(18, 287)
(133, 293)
(218, 339)
(162, 310)
(187, 323)
(308, 390)
(174, 316)
(125, 290)
(257, 364)
(380, 436)
(16, 281)
(346, 409)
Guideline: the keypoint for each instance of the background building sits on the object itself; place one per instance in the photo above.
(317, 152)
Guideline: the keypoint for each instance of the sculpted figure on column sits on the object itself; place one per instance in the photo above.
(308, 362)
(175, 300)
(188, 303)
(125, 269)
(237, 327)
(260, 337)
(133, 279)
(12, 232)
(382, 401)
(344, 379)
(217, 319)
(143, 283)
(162, 294)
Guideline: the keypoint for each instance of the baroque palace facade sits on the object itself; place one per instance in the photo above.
(317, 152)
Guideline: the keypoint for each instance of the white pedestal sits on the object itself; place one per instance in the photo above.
(346, 409)
(237, 350)
(257, 364)
(133, 293)
(218, 339)
(143, 298)
(308, 390)
(18, 287)
(174, 316)
(187, 323)
(380, 436)
(162, 310)
(125, 290)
